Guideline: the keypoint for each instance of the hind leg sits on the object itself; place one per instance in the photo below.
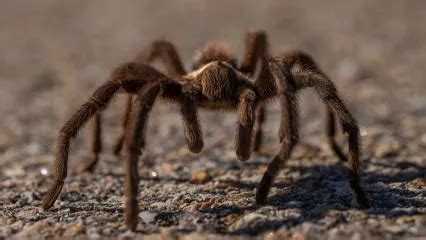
(132, 151)
(95, 147)
(288, 133)
(258, 133)
(164, 51)
(331, 133)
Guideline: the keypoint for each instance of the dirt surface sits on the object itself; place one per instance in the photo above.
(55, 53)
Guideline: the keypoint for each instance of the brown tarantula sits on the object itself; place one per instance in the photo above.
(216, 84)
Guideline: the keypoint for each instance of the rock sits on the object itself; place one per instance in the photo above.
(403, 211)
(299, 236)
(5, 231)
(394, 229)
(387, 149)
(74, 229)
(27, 214)
(113, 225)
(294, 204)
(93, 232)
(356, 236)
(206, 204)
(312, 230)
(322, 209)
(33, 229)
(200, 177)
(230, 219)
(58, 230)
(281, 233)
(249, 222)
(147, 216)
(216, 185)
(17, 226)
(160, 205)
(341, 188)
(8, 184)
(3, 221)
(416, 219)
(14, 172)
(379, 186)
(418, 183)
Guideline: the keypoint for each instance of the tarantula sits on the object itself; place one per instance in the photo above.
(216, 83)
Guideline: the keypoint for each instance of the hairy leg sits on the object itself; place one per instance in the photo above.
(96, 146)
(258, 133)
(167, 53)
(350, 127)
(331, 133)
(129, 76)
(265, 83)
(246, 114)
(288, 132)
(132, 146)
(191, 125)
(255, 64)
(313, 77)
(255, 49)
(118, 144)
(97, 102)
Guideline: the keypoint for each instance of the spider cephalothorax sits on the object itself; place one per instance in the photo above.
(214, 85)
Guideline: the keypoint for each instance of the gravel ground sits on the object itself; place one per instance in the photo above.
(54, 53)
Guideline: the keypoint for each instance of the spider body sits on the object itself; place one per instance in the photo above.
(216, 84)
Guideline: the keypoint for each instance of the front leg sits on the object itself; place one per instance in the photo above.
(99, 100)
(191, 124)
(246, 114)
(132, 150)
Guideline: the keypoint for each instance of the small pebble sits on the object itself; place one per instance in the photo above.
(387, 149)
(27, 214)
(147, 216)
(74, 229)
(200, 177)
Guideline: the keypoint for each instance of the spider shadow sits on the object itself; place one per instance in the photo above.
(324, 188)
(318, 190)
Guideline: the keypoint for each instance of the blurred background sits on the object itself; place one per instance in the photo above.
(53, 54)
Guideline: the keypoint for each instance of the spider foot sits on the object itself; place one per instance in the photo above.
(131, 213)
(196, 146)
(52, 194)
(361, 196)
(263, 189)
